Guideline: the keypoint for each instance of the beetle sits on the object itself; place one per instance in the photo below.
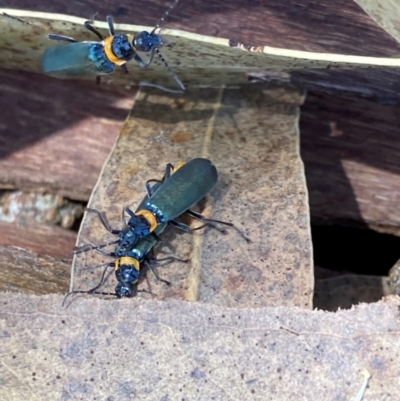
(128, 267)
(129, 261)
(90, 58)
(178, 193)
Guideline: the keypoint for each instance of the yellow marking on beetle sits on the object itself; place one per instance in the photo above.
(109, 52)
(149, 217)
(178, 166)
(127, 260)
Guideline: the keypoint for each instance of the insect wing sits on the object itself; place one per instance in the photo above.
(76, 60)
(183, 189)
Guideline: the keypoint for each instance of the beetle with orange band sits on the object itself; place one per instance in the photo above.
(129, 260)
(178, 193)
(181, 188)
(128, 266)
(89, 58)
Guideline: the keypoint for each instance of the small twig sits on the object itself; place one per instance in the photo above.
(364, 385)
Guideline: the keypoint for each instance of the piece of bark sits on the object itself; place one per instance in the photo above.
(380, 84)
(173, 350)
(55, 135)
(351, 153)
(40, 238)
(27, 272)
(251, 135)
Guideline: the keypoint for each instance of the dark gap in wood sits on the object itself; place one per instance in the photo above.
(356, 250)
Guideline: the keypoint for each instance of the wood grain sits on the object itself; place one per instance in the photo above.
(27, 272)
(351, 151)
(312, 25)
(55, 135)
(39, 238)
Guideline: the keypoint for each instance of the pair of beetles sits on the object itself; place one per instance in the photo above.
(192, 180)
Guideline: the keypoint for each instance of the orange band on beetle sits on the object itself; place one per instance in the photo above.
(178, 166)
(126, 260)
(109, 52)
(149, 217)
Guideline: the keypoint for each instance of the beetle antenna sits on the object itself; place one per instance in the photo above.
(165, 15)
(20, 19)
(161, 87)
(86, 292)
(172, 72)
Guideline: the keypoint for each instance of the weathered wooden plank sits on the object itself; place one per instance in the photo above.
(350, 147)
(26, 271)
(73, 156)
(39, 238)
(385, 13)
(55, 135)
(381, 85)
(311, 25)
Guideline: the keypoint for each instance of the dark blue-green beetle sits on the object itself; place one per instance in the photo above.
(90, 58)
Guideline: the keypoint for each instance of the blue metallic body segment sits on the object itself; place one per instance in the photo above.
(127, 236)
(136, 253)
(100, 60)
(129, 244)
(127, 275)
(142, 247)
(183, 189)
(121, 47)
(145, 41)
(76, 60)
(155, 210)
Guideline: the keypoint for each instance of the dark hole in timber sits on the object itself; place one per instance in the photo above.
(344, 252)
(356, 250)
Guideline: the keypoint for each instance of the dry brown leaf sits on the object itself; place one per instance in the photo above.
(251, 135)
(150, 350)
